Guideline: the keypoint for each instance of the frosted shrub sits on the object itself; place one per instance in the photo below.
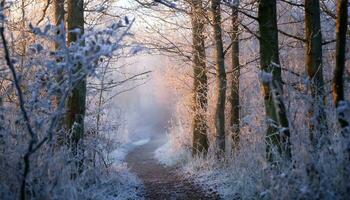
(179, 147)
(321, 173)
(31, 114)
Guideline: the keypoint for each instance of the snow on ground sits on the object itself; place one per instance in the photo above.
(141, 142)
(229, 182)
(207, 173)
(117, 184)
(121, 184)
(169, 155)
(120, 153)
(204, 172)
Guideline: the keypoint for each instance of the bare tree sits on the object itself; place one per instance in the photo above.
(33, 135)
(58, 10)
(220, 75)
(314, 70)
(58, 20)
(278, 133)
(338, 81)
(76, 102)
(200, 84)
(234, 101)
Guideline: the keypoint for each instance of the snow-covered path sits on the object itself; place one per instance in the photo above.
(161, 182)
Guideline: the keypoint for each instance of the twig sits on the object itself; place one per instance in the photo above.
(23, 110)
(44, 12)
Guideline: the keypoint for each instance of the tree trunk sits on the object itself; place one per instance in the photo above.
(278, 134)
(234, 118)
(200, 85)
(58, 19)
(58, 10)
(220, 75)
(76, 102)
(314, 68)
(338, 82)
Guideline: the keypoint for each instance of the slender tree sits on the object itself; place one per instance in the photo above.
(234, 101)
(220, 75)
(58, 12)
(315, 70)
(338, 82)
(58, 19)
(200, 85)
(278, 133)
(76, 102)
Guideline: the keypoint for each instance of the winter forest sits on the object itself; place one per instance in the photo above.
(174, 99)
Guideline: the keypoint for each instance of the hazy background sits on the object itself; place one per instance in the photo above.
(146, 109)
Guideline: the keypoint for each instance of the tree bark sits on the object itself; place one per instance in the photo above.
(338, 82)
(278, 134)
(58, 10)
(235, 110)
(220, 75)
(58, 19)
(314, 68)
(200, 85)
(76, 102)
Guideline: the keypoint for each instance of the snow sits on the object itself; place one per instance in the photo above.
(141, 142)
(124, 184)
(118, 184)
(120, 153)
(265, 77)
(161, 154)
(170, 155)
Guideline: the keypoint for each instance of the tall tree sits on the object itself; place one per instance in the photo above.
(58, 19)
(220, 75)
(76, 102)
(315, 70)
(200, 85)
(234, 101)
(278, 134)
(58, 12)
(338, 82)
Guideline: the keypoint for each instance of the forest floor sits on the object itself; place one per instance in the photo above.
(161, 182)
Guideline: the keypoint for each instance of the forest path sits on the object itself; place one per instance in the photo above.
(161, 182)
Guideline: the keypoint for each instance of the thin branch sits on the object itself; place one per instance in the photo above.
(23, 110)
(328, 42)
(250, 31)
(292, 36)
(239, 10)
(44, 12)
(293, 4)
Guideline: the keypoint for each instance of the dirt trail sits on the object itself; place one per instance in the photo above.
(162, 183)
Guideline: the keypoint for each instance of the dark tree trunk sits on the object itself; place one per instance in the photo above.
(272, 89)
(338, 82)
(314, 69)
(76, 102)
(58, 19)
(200, 85)
(234, 118)
(220, 75)
(58, 9)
